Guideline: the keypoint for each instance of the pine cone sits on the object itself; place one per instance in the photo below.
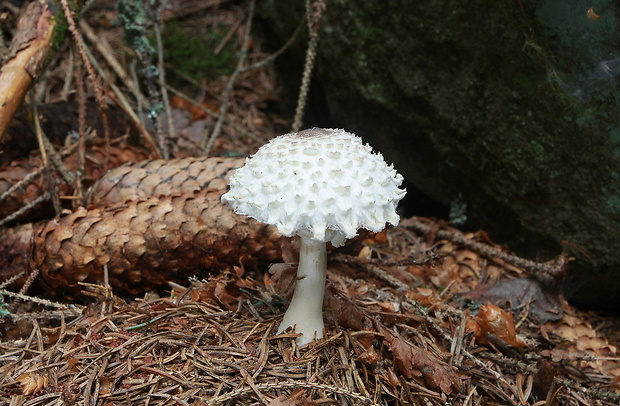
(95, 163)
(149, 241)
(13, 173)
(161, 177)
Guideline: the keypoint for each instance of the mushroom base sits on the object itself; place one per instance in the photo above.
(305, 313)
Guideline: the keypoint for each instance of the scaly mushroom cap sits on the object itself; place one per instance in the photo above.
(318, 183)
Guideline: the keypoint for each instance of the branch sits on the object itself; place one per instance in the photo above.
(27, 55)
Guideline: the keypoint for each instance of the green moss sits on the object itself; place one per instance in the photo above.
(193, 55)
(613, 206)
(61, 26)
(539, 151)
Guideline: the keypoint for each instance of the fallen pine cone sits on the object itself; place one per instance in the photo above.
(148, 242)
(95, 162)
(155, 221)
(160, 177)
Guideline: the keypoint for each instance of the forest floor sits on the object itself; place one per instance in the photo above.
(96, 313)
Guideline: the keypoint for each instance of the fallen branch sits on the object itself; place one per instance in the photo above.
(555, 268)
(28, 52)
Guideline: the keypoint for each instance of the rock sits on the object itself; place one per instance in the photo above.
(508, 107)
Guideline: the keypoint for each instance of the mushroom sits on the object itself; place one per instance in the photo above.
(321, 185)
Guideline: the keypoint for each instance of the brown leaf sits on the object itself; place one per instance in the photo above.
(14, 249)
(338, 306)
(492, 323)
(282, 277)
(32, 382)
(544, 301)
(413, 362)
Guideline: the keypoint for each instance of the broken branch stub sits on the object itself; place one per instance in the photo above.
(150, 241)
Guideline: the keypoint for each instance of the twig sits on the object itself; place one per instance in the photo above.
(227, 37)
(314, 21)
(46, 315)
(22, 291)
(12, 279)
(240, 130)
(68, 82)
(51, 183)
(276, 54)
(164, 93)
(29, 281)
(554, 268)
(136, 31)
(81, 97)
(16, 214)
(119, 98)
(217, 129)
(43, 302)
(99, 97)
(28, 178)
(107, 52)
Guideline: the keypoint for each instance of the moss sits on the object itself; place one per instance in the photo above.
(193, 54)
(61, 26)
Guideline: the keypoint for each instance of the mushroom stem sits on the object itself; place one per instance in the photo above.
(306, 309)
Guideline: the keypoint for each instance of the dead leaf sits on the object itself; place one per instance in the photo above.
(223, 289)
(414, 362)
(338, 307)
(282, 279)
(426, 297)
(544, 302)
(32, 382)
(492, 323)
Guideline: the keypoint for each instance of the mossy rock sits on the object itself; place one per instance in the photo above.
(509, 107)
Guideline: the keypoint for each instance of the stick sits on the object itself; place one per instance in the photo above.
(27, 54)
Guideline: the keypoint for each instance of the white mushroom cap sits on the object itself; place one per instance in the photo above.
(318, 183)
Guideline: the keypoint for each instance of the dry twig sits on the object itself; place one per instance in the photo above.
(208, 142)
(314, 14)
